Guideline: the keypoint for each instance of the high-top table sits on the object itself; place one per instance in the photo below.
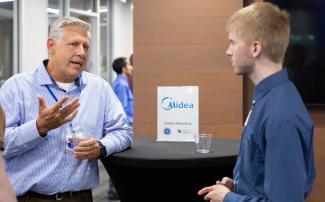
(168, 171)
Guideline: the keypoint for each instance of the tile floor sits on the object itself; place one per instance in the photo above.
(100, 193)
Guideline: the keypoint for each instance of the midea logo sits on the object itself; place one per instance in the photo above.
(168, 103)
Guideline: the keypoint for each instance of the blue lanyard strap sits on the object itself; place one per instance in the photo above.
(56, 99)
(51, 92)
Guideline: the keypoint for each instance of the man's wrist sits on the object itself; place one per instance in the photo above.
(1, 146)
(102, 150)
(40, 130)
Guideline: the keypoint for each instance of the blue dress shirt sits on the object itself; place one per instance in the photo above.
(124, 93)
(275, 161)
(45, 164)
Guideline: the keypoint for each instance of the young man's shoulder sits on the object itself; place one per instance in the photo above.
(285, 102)
(121, 81)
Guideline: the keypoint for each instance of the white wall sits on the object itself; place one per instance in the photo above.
(33, 33)
(122, 29)
(121, 32)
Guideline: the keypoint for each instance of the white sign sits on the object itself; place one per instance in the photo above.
(177, 113)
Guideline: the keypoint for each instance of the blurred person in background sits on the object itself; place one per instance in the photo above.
(121, 87)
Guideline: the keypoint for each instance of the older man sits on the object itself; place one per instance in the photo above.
(46, 107)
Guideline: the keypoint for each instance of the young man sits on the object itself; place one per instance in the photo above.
(40, 163)
(121, 86)
(275, 161)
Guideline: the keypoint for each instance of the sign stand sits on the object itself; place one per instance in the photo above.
(177, 113)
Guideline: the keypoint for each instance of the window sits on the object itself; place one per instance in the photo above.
(104, 18)
(6, 38)
(53, 10)
(84, 5)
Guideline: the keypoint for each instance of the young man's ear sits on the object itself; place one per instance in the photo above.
(256, 49)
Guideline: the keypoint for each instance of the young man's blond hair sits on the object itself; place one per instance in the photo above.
(250, 22)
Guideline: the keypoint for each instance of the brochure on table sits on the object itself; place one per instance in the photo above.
(177, 113)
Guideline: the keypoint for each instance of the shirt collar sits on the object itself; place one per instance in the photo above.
(268, 83)
(44, 77)
(121, 76)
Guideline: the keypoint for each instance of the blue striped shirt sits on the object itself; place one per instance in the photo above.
(45, 165)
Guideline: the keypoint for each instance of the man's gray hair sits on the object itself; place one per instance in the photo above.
(60, 24)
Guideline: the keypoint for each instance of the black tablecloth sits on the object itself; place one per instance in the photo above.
(168, 171)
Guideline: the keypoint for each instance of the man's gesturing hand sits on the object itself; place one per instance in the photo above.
(53, 117)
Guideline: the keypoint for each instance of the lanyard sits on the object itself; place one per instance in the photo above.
(56, 100)
(249, 114)
(51, 92)
(236, 175)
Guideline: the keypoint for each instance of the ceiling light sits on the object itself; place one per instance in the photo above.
(52, 10)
